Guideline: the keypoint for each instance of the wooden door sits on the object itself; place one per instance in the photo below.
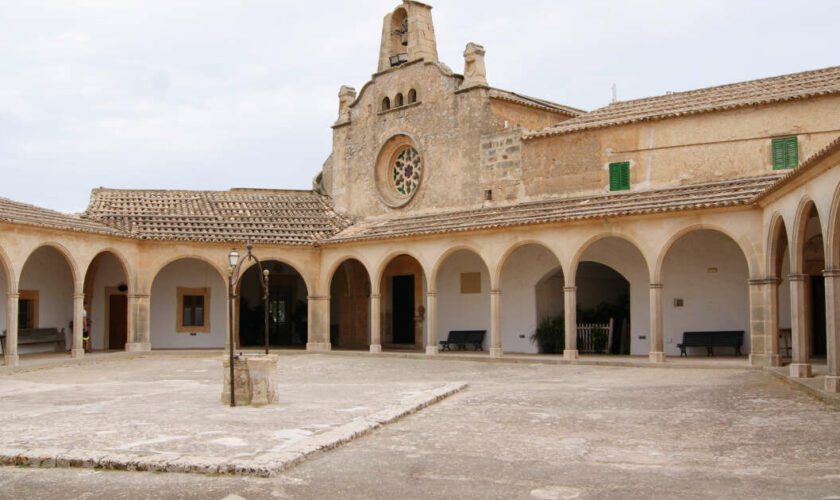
(117, 322)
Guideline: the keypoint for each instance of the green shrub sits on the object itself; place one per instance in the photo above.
(550, 335)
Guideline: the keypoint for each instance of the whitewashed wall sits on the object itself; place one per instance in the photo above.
(48, 272)
(712, 300)
(525, 268)
(109, 274)
(457, 311)
(186, 273)
(625, 259)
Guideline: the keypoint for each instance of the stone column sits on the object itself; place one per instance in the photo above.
(78, 349)
(319, 324)
(375, 322)
(432, 323)
(800, 367)
(139, 327)
(832, 328)
(763, 323)
(657, 335)
(496, 323)
(570, 306)
(10, 349)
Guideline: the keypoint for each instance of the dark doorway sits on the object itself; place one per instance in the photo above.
(287, 309)
(403, 301)
(818, 315)
(117, 322)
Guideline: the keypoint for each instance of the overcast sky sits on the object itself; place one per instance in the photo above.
(210, 94)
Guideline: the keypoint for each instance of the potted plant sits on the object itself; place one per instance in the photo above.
(600, 337)
(549, 335)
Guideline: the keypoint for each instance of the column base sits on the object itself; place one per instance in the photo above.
(431, 350)
(571, 355)
(800, 370)
(832, 383)
(319, 347)
(657, 357)
(496, 352)
(765, 360)
(138, 347)
(77, 353)
(11, 359)
(376, 348)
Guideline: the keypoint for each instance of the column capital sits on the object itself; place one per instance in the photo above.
(13, 296)
(78, 296)
(570, 289)
(431, 293)
(318, 297)
(375, 296)
(793, 278)
(831, 273)
(765, 281)
(656, 286)
(495, 291)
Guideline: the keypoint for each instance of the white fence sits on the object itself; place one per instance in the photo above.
(584, 335)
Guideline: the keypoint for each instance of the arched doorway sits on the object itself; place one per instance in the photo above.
(462, 283)
(781, 338)
(5, 288)
(46, 290)
(288, 300)
(706, 288)
(612, 281)
(350, 306)
(532, 285)
(808, 291)
(188, 306)
(106, 302)
(402, 313)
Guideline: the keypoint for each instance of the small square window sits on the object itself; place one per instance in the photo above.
(785, 153)
(620, 176)
(193, 314)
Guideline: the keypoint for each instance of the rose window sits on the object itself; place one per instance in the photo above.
(406, 171)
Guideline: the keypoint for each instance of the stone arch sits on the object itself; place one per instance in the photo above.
(350, 290)
(402, 299)
(399, 100)
(8, 270)
(503, 259)
(777, 231)
(832, 239)
(123, 261)
(678, 235)
(307, 280)
(468, 247)
(386, 103)
(106, 305)
(68, 258)
(800, 226)
(383, 264)
(576, 259)
(336, 263)
(154, 272)
(412, 96)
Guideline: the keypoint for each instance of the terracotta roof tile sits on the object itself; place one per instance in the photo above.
(736, 95)
(738, 192)
(29, 215)
(506, 95)
(261, 216)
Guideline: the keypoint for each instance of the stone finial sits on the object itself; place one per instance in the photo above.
(346, 96)
(475, 73)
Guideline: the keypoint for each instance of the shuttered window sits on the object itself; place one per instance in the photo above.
(620, 176)
(785, 153)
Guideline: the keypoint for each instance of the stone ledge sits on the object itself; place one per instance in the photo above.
(264, 465)
(803, 385)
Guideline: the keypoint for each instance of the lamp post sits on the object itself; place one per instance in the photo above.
(235, 266)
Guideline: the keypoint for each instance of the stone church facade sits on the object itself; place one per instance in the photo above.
(448, 204)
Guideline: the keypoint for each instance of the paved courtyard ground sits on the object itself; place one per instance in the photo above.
(518, 431)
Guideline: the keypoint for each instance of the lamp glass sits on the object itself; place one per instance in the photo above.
(233, 257)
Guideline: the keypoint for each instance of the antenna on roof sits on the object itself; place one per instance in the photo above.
(614, 93)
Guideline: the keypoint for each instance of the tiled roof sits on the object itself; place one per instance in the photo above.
(29, 215)
(261, 216)
(506, 95)
(736, 95)
(806, 165)
(738, 192)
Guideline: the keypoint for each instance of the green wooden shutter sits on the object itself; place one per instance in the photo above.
(620, 176)
(785, 153)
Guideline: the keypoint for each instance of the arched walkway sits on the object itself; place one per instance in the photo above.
(462, 286)
(288, 303)
(532, 283)
(350, 292)
(705, 280)
(402, 314)
(5, 289)
(106, 290)
(188, 306)
(612, 281)
(46, 302)
(778, 270)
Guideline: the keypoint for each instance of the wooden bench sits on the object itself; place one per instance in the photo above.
(38, 336)
(710, 340)
(461, 338)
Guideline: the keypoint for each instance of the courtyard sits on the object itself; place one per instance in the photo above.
(503, 430)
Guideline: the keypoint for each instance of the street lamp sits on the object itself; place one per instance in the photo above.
(233, 280)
